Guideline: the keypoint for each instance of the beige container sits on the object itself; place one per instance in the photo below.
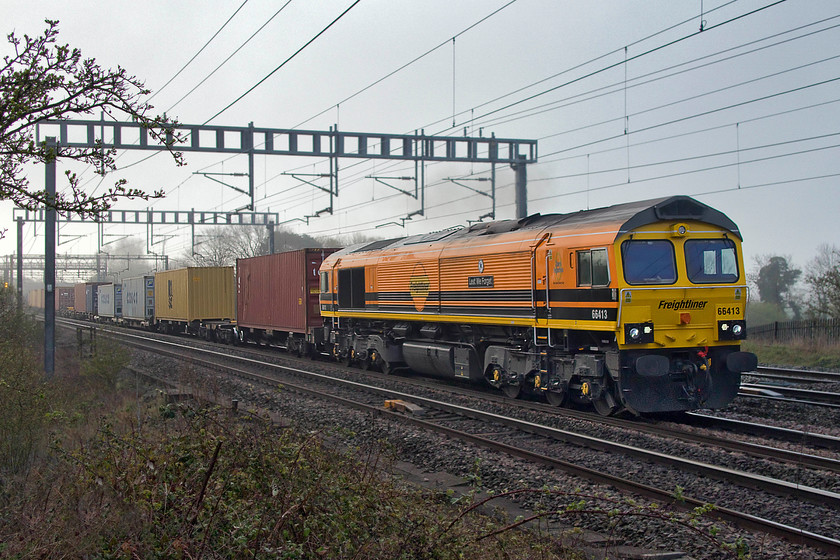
(195, 294)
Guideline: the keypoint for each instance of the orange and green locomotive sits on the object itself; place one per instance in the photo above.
(636, 306)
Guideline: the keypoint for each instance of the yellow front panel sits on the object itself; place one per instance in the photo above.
(682, 317)
(684, 314)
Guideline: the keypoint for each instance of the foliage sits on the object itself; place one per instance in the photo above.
(795, 355)
(221, 246)
(199, 482)
(45, 80)
(104, 366)
(760, 313)
(775, 281)
(823, 280)
(22, 390)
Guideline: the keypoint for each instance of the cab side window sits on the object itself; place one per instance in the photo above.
(593, 268)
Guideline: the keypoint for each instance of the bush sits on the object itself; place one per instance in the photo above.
(22, 389)
(199, 482)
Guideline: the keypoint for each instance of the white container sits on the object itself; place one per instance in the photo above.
(138, 298)
(109, 297)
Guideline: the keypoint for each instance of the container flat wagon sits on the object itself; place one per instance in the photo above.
(197, 300)
(277, 299)
(138, 295)
(109, 304)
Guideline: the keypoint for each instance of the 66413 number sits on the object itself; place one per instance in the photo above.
(728, 311)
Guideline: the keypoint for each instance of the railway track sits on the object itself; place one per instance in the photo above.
(796, 375)
(797, 437)
(447, 414)
(790, 394)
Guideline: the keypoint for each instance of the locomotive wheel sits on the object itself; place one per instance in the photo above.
(512, 391)
(556, 399)
(385, 367)
(605, 405)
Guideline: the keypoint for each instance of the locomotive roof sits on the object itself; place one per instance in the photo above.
(630, 216)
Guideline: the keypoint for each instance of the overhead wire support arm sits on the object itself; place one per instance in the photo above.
(299, 176)
(402, 221)
(491, 195)
(405, 192)
(473, 189)
(210, 176)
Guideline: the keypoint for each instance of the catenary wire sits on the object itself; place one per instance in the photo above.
(225, 61)
(313, 39)
(190, 61)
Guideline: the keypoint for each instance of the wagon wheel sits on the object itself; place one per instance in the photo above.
(605, 404)
(385, 367)
(512, 391)
(556, 398)
(370, 360)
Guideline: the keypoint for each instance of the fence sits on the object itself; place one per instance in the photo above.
(819, 331)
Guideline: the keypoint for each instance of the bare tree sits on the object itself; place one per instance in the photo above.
(44, 80)
(823, 280)
(222, 245)
(214, 250)
(249, 241)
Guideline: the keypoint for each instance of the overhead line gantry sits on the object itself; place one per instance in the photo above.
(333, 144)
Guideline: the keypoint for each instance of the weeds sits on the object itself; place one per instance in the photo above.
(798, 355)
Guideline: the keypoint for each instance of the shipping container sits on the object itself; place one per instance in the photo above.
(85, 299)
(109, 304)
(35, 298)
(277, 297)
(64, 298)
(195, 295)
(139, 300)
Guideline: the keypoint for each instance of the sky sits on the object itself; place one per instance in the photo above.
(736, 103)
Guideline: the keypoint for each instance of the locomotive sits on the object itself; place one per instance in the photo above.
(636, 307)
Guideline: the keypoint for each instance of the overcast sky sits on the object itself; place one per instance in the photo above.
(743, 115)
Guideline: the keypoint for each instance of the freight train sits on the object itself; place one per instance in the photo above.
(636, 307)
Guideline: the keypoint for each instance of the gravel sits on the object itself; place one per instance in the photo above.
(500, 473)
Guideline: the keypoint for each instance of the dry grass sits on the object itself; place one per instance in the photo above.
(810, 355)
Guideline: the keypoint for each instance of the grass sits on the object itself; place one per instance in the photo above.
(795, 355)
(193, 481)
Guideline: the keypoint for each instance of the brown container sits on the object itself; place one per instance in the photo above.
(280, 292)
(64, 297)
(195, 294)
(84, 297)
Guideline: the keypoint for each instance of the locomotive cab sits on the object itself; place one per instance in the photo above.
(682, 298)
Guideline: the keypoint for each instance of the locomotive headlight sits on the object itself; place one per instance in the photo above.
(732, 330)
(638, 333)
